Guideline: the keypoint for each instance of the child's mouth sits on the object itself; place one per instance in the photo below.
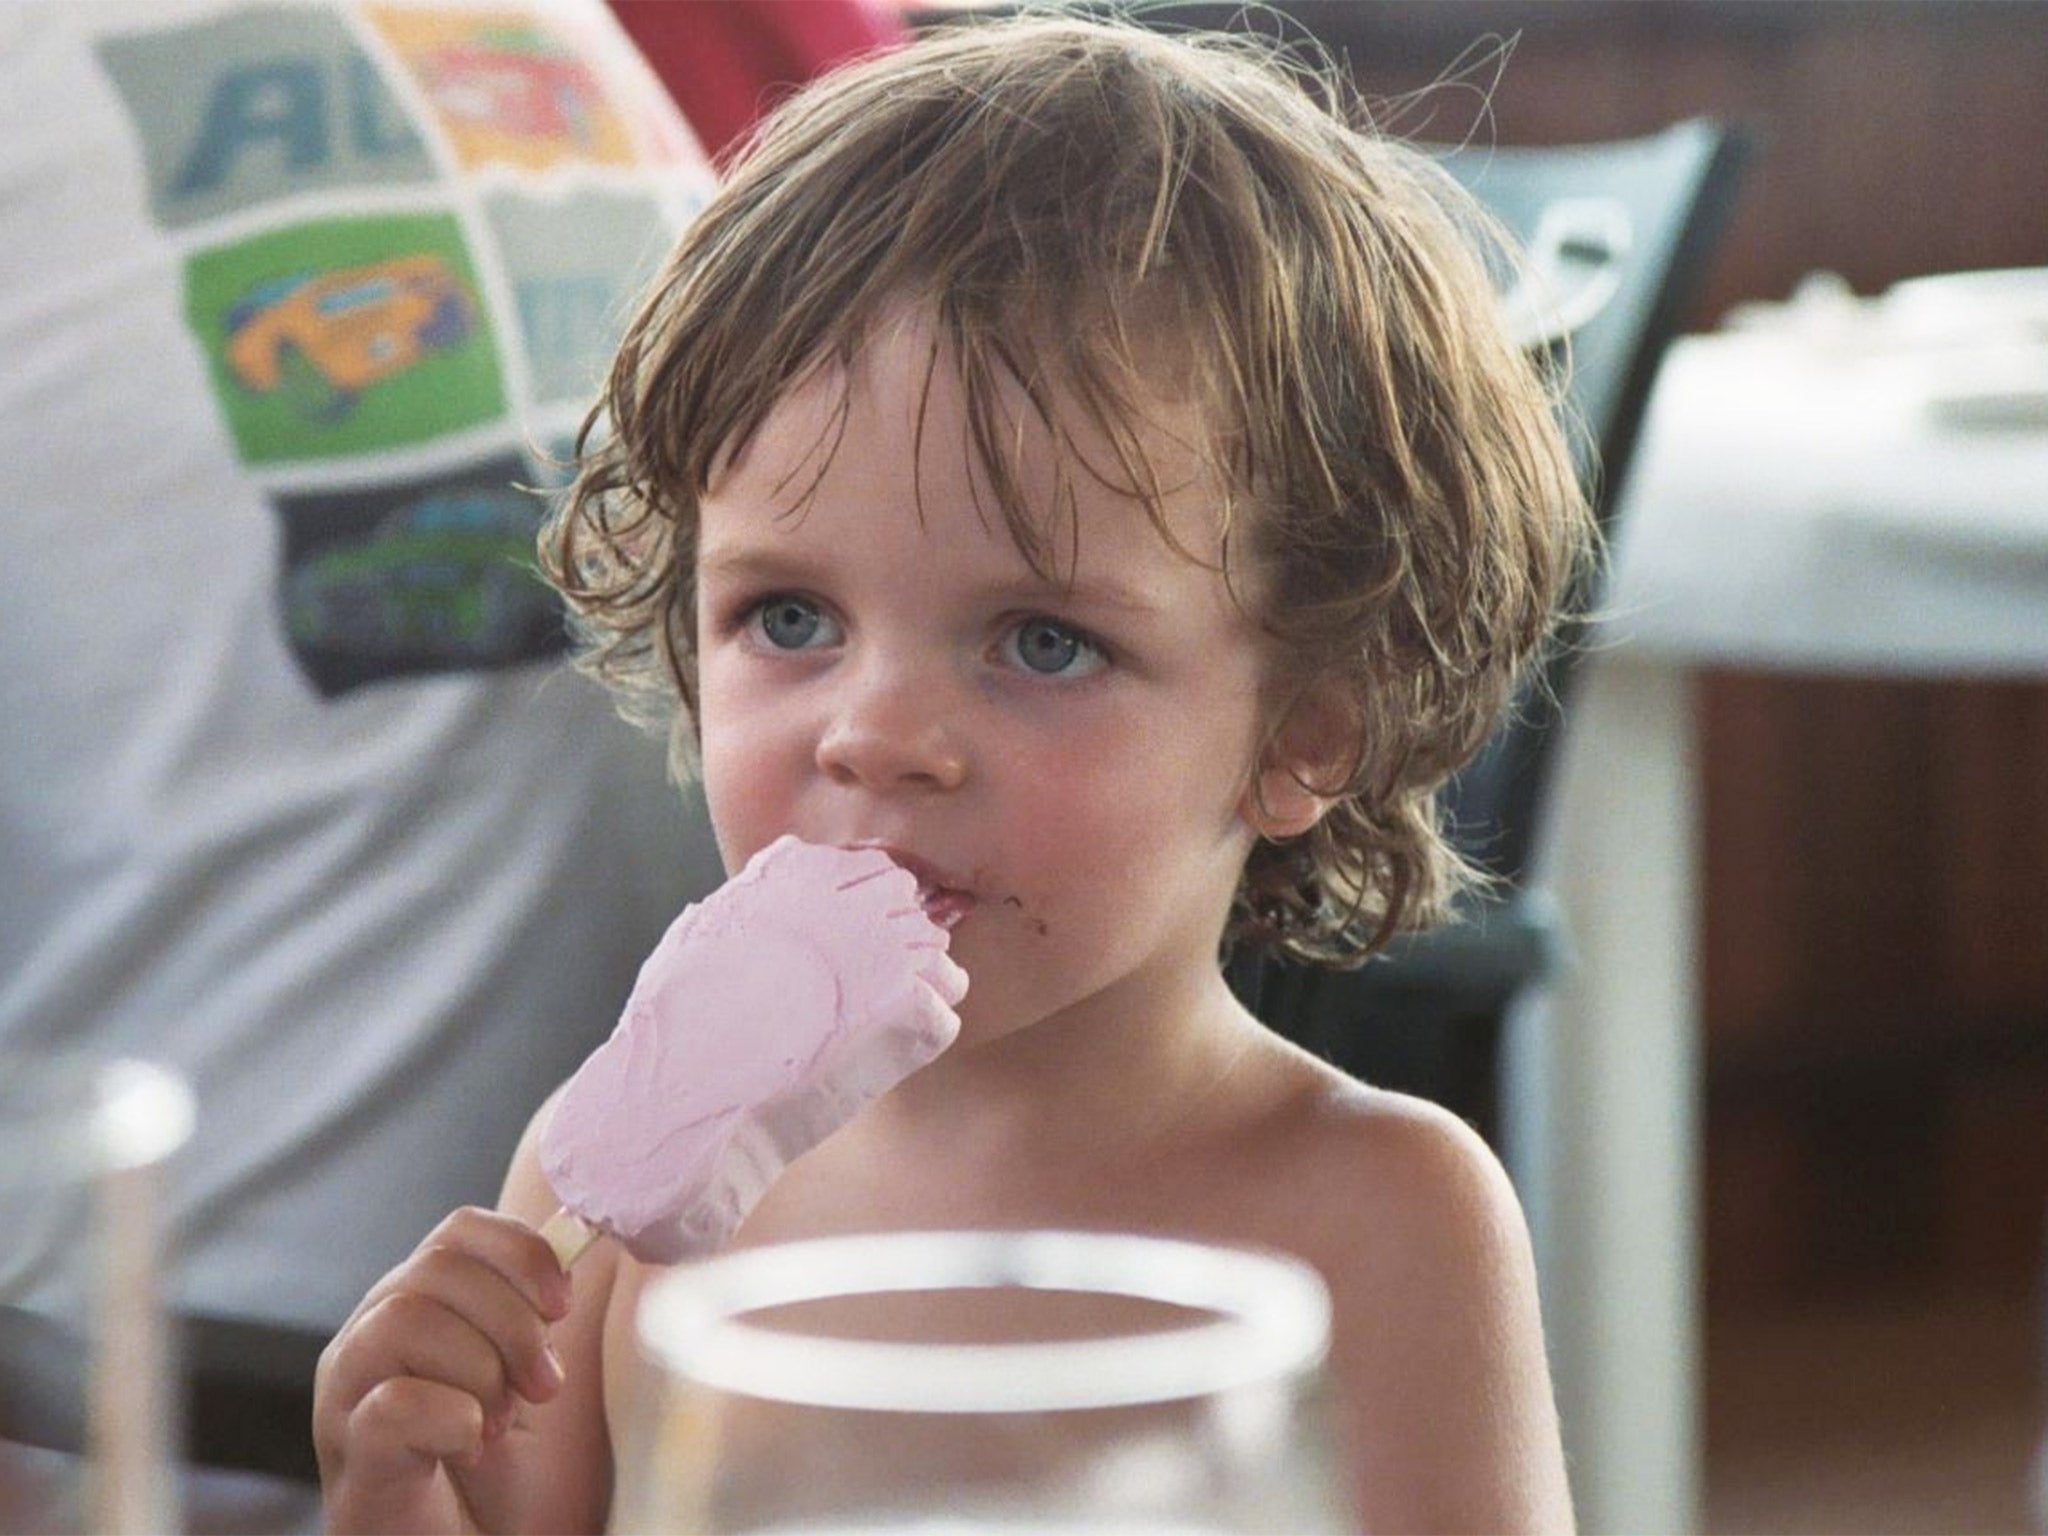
(944, 905)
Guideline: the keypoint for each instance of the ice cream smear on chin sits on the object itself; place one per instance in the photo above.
(767, 1017)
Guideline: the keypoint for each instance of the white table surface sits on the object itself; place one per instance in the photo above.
(1835, 486)
(1843, 493)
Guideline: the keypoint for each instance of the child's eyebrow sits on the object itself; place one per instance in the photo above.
(1096, 593)
(753, 567)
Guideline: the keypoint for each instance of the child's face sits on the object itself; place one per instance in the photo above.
(1071, 765)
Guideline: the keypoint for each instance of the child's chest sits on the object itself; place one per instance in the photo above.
(1219, 1192)
(1238, 1195)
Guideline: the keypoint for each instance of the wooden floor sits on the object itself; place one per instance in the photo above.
(1902, 1414)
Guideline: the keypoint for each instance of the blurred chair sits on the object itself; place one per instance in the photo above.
(248, 1403)
(1618, 235)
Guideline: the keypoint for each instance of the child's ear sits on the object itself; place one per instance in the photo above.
(1305, 766)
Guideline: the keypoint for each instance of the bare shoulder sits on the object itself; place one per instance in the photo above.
(1394, 1179)
(1437, 1337)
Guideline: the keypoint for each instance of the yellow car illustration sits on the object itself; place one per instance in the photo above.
(324, 337)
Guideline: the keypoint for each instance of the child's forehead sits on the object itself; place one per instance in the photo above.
(920, 405)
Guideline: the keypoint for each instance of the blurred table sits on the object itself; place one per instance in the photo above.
(1834, 486)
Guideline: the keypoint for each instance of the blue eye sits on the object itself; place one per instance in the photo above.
(1052, 649)
(792, 623)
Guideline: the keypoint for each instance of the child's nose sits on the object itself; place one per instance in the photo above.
(894, 733)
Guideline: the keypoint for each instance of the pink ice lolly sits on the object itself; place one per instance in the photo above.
(768, 1015)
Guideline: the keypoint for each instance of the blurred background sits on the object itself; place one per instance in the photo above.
(1875, 988)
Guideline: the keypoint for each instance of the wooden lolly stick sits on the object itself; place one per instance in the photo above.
(568, 1234)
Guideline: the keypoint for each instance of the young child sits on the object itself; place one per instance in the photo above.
(1080, 460)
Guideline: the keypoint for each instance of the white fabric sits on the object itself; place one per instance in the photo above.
(1848, 486)
(366, 864)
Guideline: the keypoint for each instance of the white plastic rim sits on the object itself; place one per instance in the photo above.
(1268, 1322)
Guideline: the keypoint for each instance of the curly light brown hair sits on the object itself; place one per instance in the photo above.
(1062, 194)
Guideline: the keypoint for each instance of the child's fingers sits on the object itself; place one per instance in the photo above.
(412, 1336)
(455, 1322)
(500, 1275)
(509, 1246)
(491, 1304)
(466, 1314)
(396, 1464)
(405, 1424)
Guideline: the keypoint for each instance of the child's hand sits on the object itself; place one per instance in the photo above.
(415, 1395)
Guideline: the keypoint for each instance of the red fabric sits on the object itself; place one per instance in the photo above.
(727, 61)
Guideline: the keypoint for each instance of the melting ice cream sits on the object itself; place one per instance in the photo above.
(768, 1015)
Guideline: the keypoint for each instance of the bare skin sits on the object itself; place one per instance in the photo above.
(1437, 1344)
(1081, 758)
